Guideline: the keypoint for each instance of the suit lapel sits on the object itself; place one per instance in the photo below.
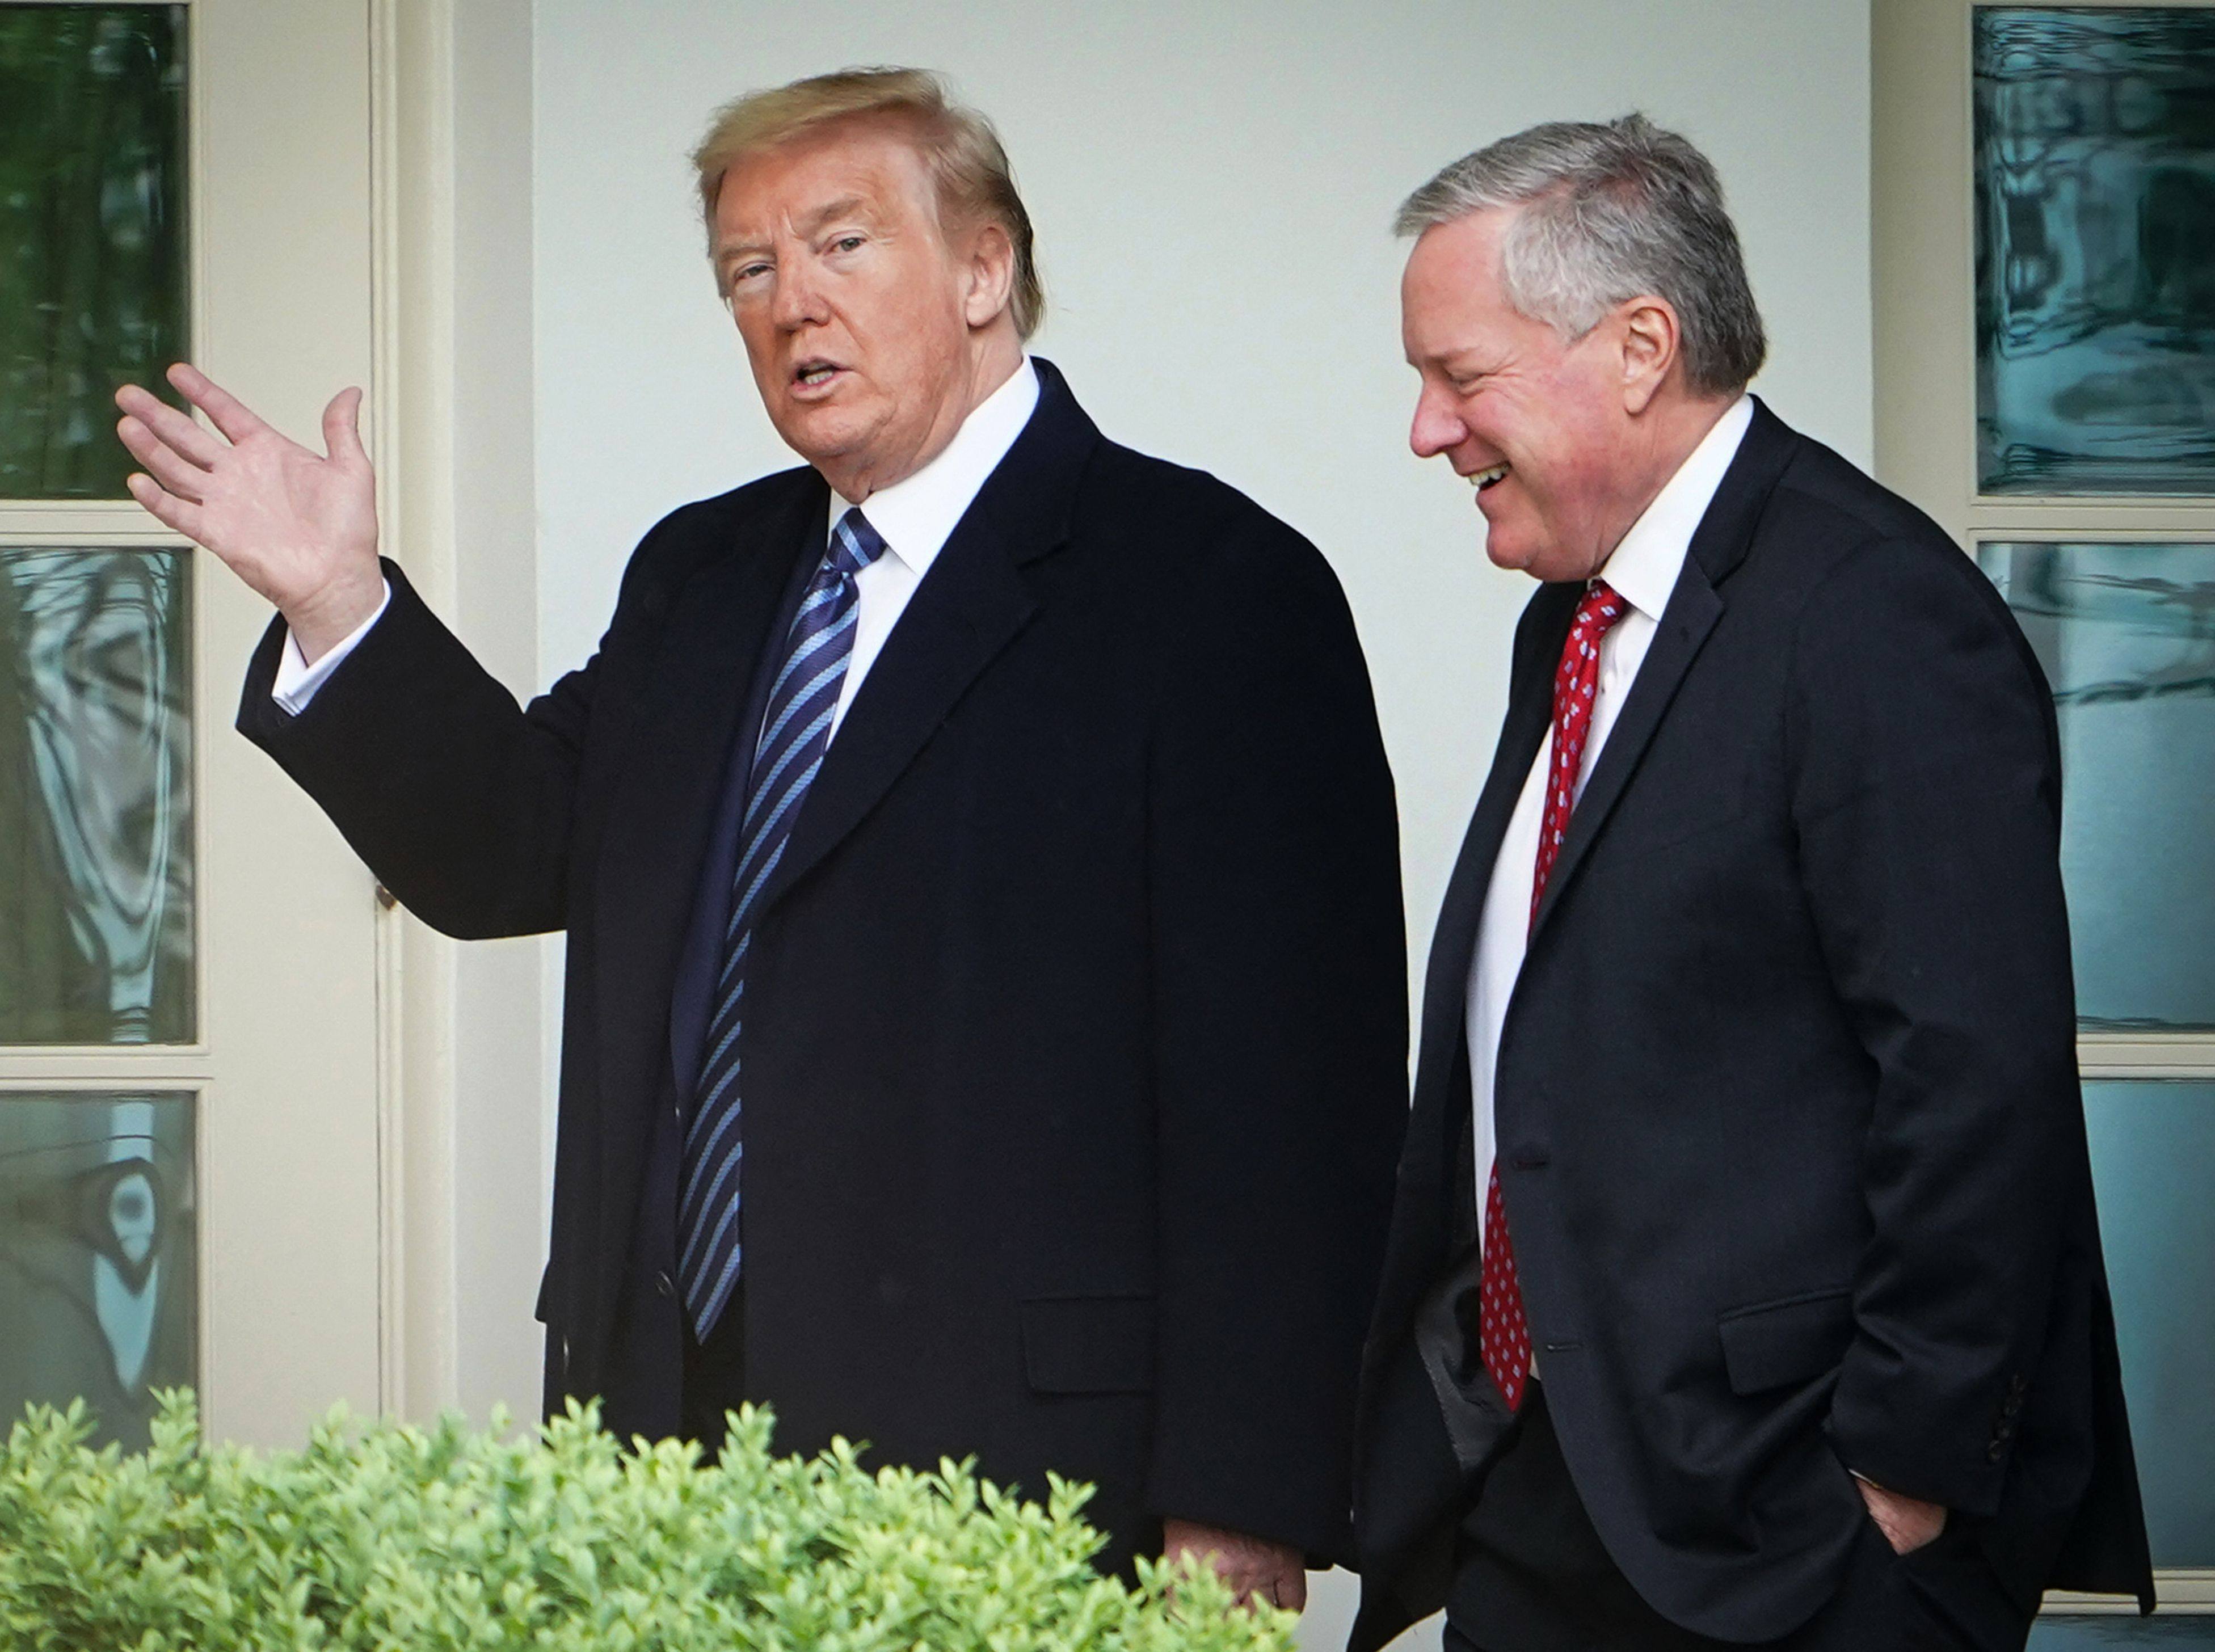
(969, 607)
(1693, 610)
(1718, 546)
(1421, 1216)
(1530, 710)
(661, 810)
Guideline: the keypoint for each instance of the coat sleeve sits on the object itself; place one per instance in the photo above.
(1927, 802)
(460, 800)
(1280, 1038)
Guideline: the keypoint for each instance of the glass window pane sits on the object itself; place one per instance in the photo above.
(96, 798)
(2090, 1634)
(2153, 1161)
(2126, 634)
(92, 234)
(2095, 182)
(98, 1254)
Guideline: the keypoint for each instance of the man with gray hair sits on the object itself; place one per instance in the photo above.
(1743, 1285)
(985, 1028)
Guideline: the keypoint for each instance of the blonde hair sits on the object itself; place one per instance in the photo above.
(968, 168)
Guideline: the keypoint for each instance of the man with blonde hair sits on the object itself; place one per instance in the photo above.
(985, 1021)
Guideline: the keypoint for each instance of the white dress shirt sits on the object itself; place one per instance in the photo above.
(1642, 570)
(915, 517)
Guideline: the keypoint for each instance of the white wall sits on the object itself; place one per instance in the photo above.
(1211, 186)
(502, 1129)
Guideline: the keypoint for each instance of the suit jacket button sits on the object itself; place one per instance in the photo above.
(1997, 1450)
(663, 1284)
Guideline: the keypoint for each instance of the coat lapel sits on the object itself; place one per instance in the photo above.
(969, 607)
(1530, 710)
(662, 805)
(1718, 546)
(1422, 1214)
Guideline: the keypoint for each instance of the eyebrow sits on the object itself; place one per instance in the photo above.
(1463, 360)
(845, 207)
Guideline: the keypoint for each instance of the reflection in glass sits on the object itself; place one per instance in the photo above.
(96, 798)
(2172, 1632)
(2153, 1160)
(92, 234)
(98, 1254)
(2095, 171)
(2126, 635)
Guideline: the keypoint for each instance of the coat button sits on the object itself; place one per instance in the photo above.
(1997, 1450)
(663, 1284)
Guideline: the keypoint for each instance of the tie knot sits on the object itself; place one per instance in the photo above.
(855, 543)
(1599, 610)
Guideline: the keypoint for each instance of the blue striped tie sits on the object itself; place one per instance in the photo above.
(795, 732)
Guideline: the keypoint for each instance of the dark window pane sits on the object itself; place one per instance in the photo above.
(98, 1254)
(2126, 634)
(92, 234)
(2153, 1159)
(2176, 1632)
(2094, 180)
(96, 798)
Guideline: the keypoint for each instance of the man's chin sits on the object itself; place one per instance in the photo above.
(1506, 550)
(821, 434)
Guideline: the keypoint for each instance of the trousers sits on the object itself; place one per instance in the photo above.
(1532, 1576)
(714, 1376)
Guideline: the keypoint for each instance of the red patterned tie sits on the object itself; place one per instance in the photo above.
(1503, 1333)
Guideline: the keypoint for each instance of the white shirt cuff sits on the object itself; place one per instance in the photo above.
(297, 681)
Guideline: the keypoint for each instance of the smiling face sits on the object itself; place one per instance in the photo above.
(1549, 431)
(871, 333)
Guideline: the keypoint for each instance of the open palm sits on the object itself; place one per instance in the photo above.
(297, 526)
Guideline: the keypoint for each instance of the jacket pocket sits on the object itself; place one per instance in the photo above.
(1088, 1344)
(1774, 1344)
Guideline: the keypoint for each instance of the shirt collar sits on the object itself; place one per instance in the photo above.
(917, 514)
(1644, 567)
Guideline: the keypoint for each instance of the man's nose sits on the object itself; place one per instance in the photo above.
(799, 296)
(1436, 427)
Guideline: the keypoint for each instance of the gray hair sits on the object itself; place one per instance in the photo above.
(1610, 212)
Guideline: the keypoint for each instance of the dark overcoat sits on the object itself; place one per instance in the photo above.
(1075, 1054)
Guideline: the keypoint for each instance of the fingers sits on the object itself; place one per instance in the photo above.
(225, 411)
(166, 508)
(1285, 1587)
(185, 480)
(173, 428)
(342, 427)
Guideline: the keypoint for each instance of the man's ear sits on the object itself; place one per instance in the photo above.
(989, 274)
(1651, 342)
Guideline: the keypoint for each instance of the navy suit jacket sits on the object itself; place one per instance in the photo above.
(1790, 1132)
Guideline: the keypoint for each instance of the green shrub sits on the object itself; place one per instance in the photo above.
(419, 1540)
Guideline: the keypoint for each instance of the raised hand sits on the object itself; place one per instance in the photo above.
(298, 527)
